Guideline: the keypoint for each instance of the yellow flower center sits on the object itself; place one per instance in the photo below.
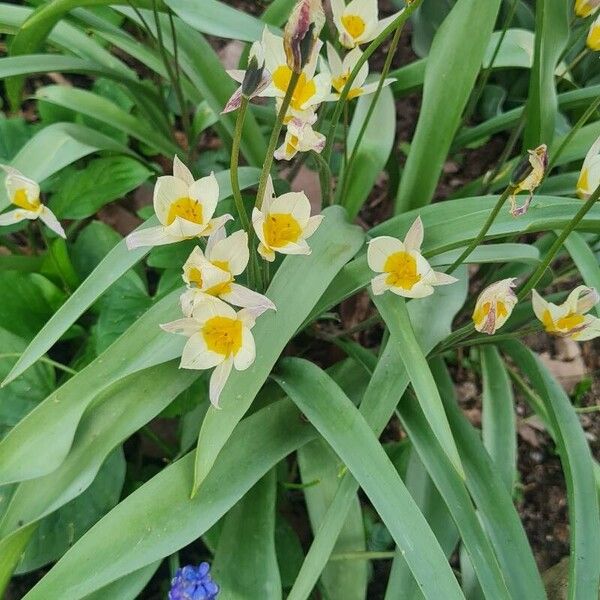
(281, 229)
(354, 25)
(483, 311)
(402, 269)
(185, 208)
(223, 335)
(564, 324)
(21, 199)
(339, 83)
(305, 88)
(291, 146)
(195, 276)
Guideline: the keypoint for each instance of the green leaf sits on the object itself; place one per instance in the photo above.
(117, 262)
(14, 133)
(578, 468)
(585, 260)
(159, 518)
(551, 37)
(56, 146)
(374, 150)
(278, 12)
(452, 67)
(340, 423)
(333, 244)
(82, 193)
(498, 421)
(106, 111)
(216, 18)
(245, 563)
(394, 312)
(128, 587)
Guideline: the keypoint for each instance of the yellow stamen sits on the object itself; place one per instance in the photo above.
(21, 199)
(562, 325)
(291, 146)
(354, 25)
(501, 309)
(185, 208)
(481, 313)
(402, 269)
(281, 229)
(305, 88)
(223, 335)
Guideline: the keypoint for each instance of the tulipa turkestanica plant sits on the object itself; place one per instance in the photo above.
(253, 257)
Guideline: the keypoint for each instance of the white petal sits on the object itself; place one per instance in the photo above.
(300, 247)
(337, 9)
(258, 222)
(379, 27)
(234, 102)
(151, 236)
(591, 331)
(215, 236)
(181, 171)
(294, 203)
(187, 301)
(367, 9)
(334, 61)
(274, 52)
(166, 191)
(414, 236)
(233, 250)
(49, 219)
(322, 83)
(196, 354)
(218, 379)
(16, 216)
(182, 229)
(312, 226)
(286, 151)
(587, 300)
(216, 224)
(242, 296)
(206, 191)
(211, 307)
(421, 289)
(379, 250)
(236, 74)
(379, 284)
(15, 180)
(187, 326)
(443, 278)
(247, 353)
(268, 196)
(266, 253)
(538, 304)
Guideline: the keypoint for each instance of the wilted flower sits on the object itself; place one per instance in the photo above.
(300, 137)
(357, 23)
(283, 224)
(218, 337)
(193, 583)
(213, 273)
(569, 319)
(25, 193)
(403, 269)
(589, 178)
(593, 38)
(527, 175)
(310, 90)
(341, 70)
(253, 81)
(302, 32)
(585, 8)
(184, 208)
(494, 306)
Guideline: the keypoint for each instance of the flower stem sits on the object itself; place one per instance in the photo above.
(555, 248)
(233, 166)
(481, 235)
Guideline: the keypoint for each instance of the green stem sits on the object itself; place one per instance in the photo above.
(66, 286)
(574, 62)
(43, 359)
(555, 248)
(384, 73)
(481, 235)
(234, 163)
(363, 556)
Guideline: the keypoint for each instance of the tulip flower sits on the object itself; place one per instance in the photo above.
(585, 8)
(589, 178)
(593, 37)
(527, 176)
(569, 319)
(301, 33)
(494, 306)
(283, 224)
(184, 207)
(300, 137)
(218, 337)
(25, 193)
(213, 273)
(403, 269)
(340, 72)
(357, 23)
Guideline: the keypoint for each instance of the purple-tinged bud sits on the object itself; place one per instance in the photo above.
(301, 33)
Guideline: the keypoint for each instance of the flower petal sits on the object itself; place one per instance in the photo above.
(294, 203)
(166, 190)
(206, 191)
(379, 249)
(379, 284)
(232, 250)
(247, 353)
(15, 180)
(414, 236)
(234, 102)
(181, 171)
(16, 216)
(49, 219)
(239, 295)
(151, 236)
(211, 307)
(196, 354)
(186, 326)
(218, 379)
(443, 278)
(312, 226)
(538, 304)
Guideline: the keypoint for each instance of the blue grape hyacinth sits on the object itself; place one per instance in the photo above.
(193, 583)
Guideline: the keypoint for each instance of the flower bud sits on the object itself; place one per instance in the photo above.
(593, 38)
(527, 176)
(254, 73)
(301, 33)
(585, 8)
(494, 306)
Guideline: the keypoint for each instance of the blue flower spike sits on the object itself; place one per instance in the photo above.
(193, 583)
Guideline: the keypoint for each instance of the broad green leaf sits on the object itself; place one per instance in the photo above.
(159, 518)
(374, 150)
(102, 109)
(342, 580)
(14, 133)
(277, 12)
(295, 288)
(578, 468)
(393, 311)
(340, 423)
(117, 262)
(245, 563)
(492, 253)
(82, 193)
(128, 587)
(551, 37)
(452, 67)
(498, 420)
(216, 18)
(56, 146)
(585, 260)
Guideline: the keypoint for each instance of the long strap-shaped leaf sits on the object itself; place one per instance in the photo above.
(578, 467)
(393, 311)
(340, 423)
(295, 289)
(160, 518)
